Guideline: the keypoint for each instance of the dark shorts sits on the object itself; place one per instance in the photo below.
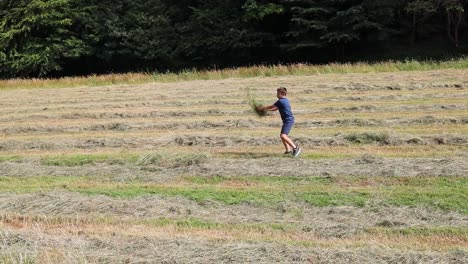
(287, 125)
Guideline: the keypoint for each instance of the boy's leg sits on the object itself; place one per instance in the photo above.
(287, 141)
(286, 145)
(295, 149)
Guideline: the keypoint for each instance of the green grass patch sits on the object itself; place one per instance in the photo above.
(9, 158)
(241, 72)
(160, 159)
(38, 184)
(17, 257)
(250, 155)
(199, 194)
(187, 223)
(179, 223)
(336, 198)
(443, 198)
(445, 231)
(274, 180)
(256, 155)
(163, 159)
(445, 193)
(317, 156)
(195, 223)
(83, 159)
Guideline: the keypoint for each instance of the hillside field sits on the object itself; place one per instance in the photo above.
(185, 172)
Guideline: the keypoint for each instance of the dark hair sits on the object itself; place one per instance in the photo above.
(282, 90)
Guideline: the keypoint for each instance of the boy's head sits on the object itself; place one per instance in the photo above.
(281, 92)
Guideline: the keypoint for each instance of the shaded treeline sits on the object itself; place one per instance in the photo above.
(69, 37)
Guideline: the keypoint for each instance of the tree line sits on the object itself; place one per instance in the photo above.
(69, 37)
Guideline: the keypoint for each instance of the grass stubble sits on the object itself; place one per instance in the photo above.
(240, 72)
(138, 173)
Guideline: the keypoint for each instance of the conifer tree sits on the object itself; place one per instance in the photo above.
(36, 36)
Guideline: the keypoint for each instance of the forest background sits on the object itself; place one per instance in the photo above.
(54, 38)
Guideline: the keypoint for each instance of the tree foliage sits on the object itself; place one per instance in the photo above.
(37, 35)
(56, 37)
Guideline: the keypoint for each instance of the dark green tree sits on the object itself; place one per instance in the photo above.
(134, 34)
(60, 37)
(336, 23)
(36, 36)
(257, 10)
(309, 22)
(214, 33)
(420, 12)
(454, 10)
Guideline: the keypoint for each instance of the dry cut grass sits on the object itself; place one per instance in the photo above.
(182, 170)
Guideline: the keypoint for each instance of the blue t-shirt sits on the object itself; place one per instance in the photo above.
(285, 109)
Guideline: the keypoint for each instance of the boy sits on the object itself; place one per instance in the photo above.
(288, 120)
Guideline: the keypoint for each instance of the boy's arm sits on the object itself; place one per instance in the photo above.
(268, 108)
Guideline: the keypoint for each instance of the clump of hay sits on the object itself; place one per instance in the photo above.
(255, 105)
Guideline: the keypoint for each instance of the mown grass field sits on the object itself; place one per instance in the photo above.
(183, 171)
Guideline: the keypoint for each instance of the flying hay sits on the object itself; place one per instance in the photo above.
(255, 104)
